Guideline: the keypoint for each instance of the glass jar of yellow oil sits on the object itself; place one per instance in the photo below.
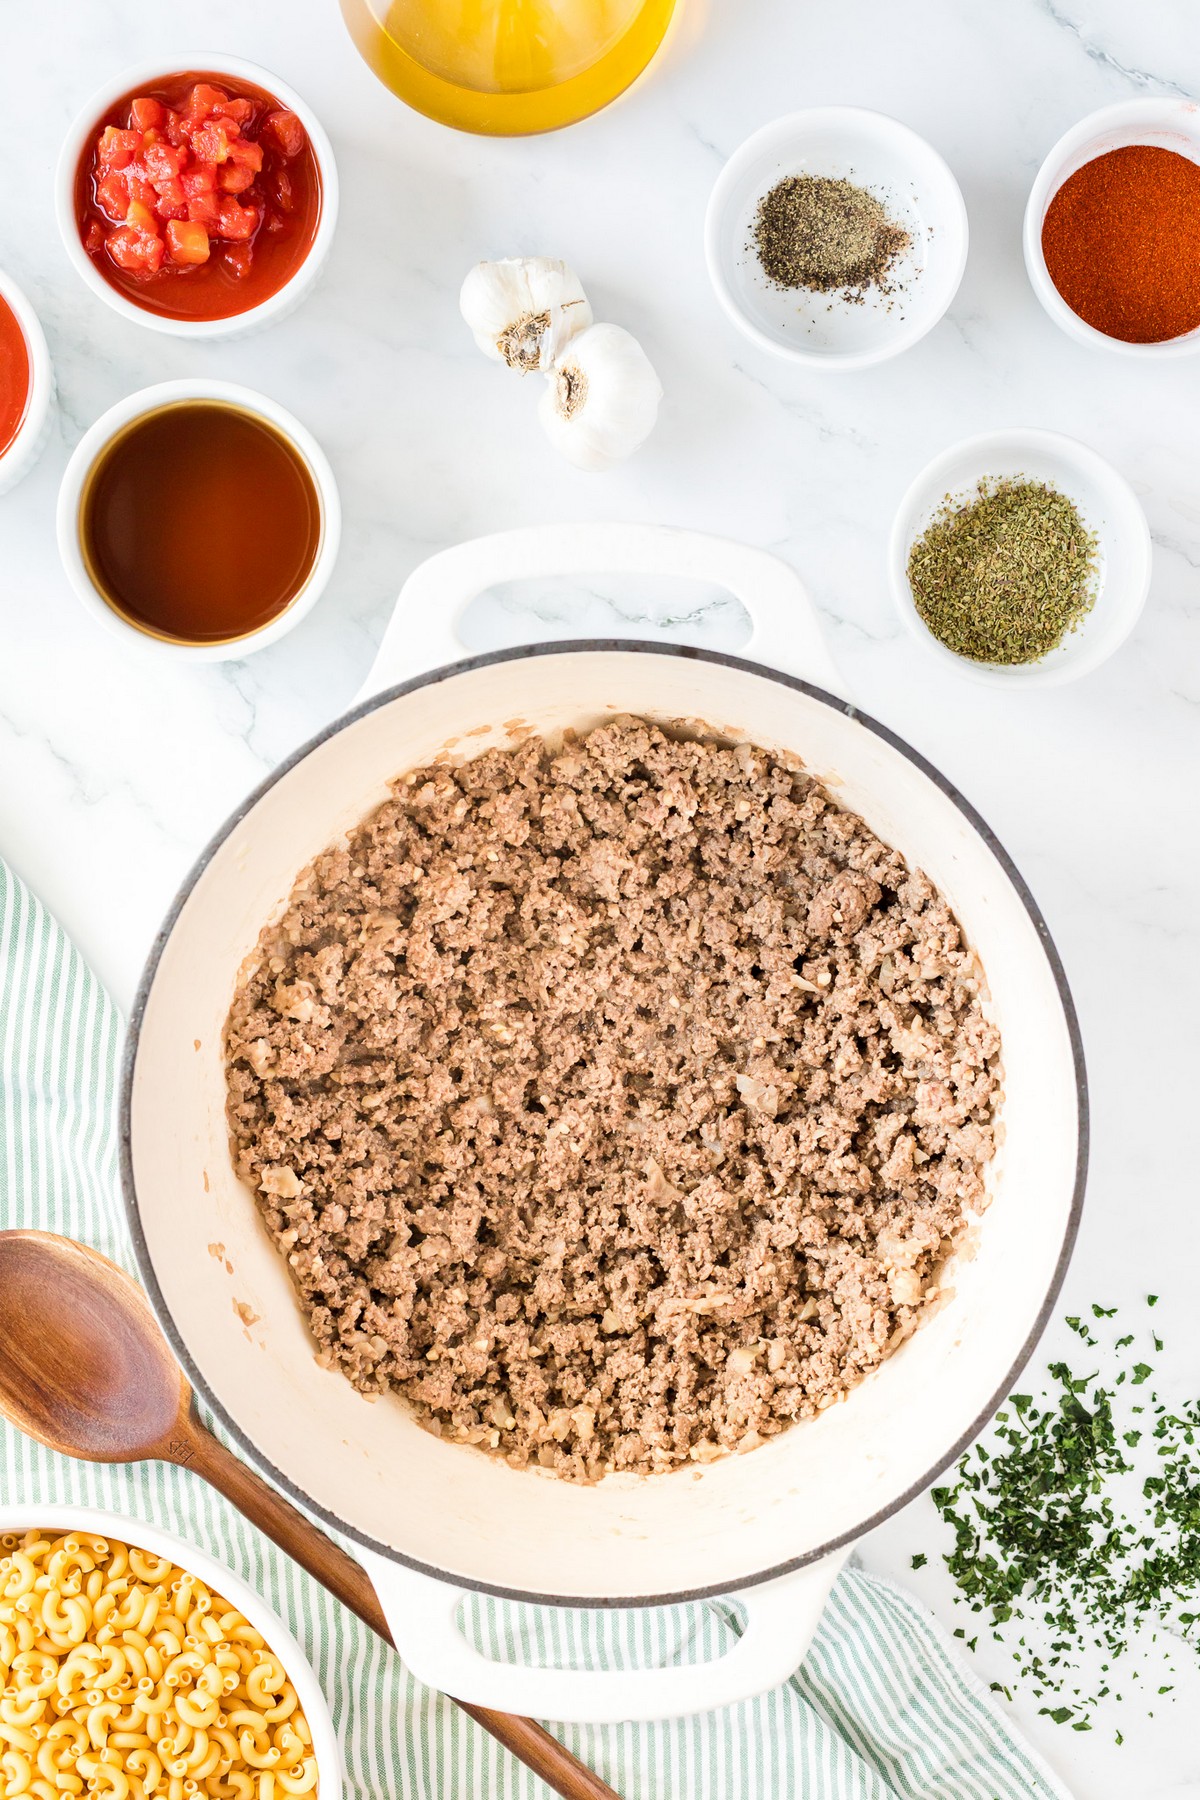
(508, 66)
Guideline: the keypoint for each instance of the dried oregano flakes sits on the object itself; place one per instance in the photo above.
(1004, 575)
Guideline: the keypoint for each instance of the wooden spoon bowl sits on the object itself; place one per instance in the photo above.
(84, 1367)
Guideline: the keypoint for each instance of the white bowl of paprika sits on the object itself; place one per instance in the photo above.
(1112, 229)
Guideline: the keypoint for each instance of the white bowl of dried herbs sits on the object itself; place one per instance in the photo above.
(1020, 558)
(836, 237)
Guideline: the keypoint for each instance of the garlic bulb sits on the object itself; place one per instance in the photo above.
(601, 398)
(524, 310)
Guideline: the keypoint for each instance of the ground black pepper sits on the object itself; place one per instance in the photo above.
(814, 232)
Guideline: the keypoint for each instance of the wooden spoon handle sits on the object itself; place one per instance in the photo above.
(300, 1539)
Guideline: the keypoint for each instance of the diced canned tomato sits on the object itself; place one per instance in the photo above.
(247, 154)
(162, 161)
(141, 192)
(112, 195)
(187, 242)
(287, 131)
(242, 110)
(204, 210)
(242, 165)
(207, 99)
(136, 245)
(200, 178)
(172, 201)
(116, 149)
(147, 115)
(210, 143)
(235, 221)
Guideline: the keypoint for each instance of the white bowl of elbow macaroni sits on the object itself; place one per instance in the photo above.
(187, 1699)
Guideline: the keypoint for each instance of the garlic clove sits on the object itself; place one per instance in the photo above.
(524, 310)
(601, 398)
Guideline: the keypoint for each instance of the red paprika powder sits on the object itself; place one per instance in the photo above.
(1121, 240)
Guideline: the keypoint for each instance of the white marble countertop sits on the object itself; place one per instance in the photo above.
(114, 770)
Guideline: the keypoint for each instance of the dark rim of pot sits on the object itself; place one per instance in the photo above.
(566, 647)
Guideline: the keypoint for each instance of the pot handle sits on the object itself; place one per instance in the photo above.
(422, 633)
(781, 1619)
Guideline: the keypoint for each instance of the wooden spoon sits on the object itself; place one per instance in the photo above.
(85, 1369)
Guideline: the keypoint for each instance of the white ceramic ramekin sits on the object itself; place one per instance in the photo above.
(222, 1580)
(1165, 124)
(153, 399)
(79, 137)
(34, 429)
(819, 330)
(1107, 505)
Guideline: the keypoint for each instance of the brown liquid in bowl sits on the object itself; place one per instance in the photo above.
(200, 523)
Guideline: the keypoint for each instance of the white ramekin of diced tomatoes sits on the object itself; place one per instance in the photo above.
(201, 201)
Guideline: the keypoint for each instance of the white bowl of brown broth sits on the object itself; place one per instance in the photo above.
(200, 519)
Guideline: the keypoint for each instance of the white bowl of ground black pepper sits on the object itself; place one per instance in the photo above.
(1020, 558)
(836, 237)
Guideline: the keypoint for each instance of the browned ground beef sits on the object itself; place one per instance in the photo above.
(614, 1104)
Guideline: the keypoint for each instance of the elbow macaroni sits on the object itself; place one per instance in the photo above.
(125, 1678)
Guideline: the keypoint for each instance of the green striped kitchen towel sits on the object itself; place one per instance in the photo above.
(880, 1710)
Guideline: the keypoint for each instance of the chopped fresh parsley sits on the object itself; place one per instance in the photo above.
(1044, 1540)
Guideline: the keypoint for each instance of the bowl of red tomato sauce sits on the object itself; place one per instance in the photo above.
(26, 385)
(201, 201)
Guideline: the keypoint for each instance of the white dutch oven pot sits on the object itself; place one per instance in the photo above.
(433, 1518)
